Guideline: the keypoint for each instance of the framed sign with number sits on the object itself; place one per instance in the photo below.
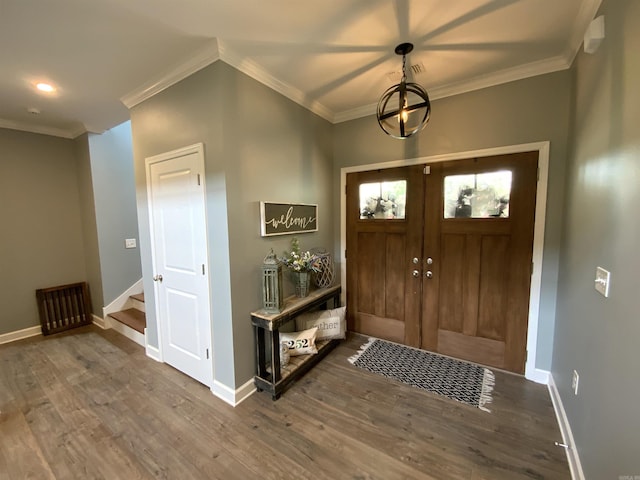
(285, 218)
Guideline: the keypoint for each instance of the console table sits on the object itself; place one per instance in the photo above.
(272, 378)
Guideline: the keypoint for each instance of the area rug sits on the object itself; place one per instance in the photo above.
(461, 381)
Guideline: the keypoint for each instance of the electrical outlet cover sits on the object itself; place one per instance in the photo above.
(602, 281)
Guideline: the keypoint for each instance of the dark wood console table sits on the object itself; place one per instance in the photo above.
(272, 378)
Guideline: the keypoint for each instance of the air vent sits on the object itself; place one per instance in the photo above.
(415, 69)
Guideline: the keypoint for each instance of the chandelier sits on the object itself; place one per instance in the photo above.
(404, 109)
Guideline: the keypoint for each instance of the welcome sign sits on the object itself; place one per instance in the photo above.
(284, 218)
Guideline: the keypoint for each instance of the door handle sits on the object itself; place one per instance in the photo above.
(428, 274)
(157, 278)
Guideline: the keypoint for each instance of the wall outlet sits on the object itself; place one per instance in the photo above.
(130, 243)
(574, 382)
(603, 277)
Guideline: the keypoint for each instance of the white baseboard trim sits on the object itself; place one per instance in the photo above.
(122, 329)
(537, 375)
(123, 300)
(230, 396)
(152, 352)
(20, 334)
(565, 429)
(99, 322)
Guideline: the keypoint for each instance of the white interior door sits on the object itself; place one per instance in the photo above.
(175, 185)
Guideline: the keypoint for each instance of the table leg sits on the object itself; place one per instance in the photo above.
(275, 357)
(261, 354)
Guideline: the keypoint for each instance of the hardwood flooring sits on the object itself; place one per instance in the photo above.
(89, 404)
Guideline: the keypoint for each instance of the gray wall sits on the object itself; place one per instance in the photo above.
(114, 195)
(598, 336)
(258, 146)
(531, 110)
(41, 244)
(88, 219)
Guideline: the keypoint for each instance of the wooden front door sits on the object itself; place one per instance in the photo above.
(384, 235)
(474, 264)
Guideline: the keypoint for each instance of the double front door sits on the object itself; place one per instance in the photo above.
(439, 257)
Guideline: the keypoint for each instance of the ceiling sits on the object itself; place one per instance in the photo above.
(334, 57)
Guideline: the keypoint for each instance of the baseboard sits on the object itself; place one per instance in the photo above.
(537, 375)
(230, 396)
(20, 334)
(151, 351)
(99, 322)
(128, 332)
(123, 299)
(565, 429)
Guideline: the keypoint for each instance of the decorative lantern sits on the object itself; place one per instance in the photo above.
(272, 299)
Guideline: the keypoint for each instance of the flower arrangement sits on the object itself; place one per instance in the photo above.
(298, 261)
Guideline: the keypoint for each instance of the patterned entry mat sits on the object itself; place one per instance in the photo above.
(461, 381)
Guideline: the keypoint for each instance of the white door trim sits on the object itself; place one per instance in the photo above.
(531, 372)
(198, 149)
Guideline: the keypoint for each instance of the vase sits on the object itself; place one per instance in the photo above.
(302, 284)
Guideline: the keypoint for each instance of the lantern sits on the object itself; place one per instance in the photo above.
(272, 300)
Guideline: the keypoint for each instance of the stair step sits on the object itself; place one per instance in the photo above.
(139, 297)
(132, 317)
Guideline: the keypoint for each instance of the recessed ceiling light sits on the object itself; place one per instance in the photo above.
(45, 87)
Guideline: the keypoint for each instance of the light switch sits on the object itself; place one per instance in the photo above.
(130, 243)
(602, 281)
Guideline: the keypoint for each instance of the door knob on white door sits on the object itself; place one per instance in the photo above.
(157, 278)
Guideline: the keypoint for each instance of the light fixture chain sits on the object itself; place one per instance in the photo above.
(404, 73)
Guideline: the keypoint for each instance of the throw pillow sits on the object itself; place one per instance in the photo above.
(300, 343)
(331, 324)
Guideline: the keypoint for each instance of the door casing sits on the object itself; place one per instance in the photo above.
(531, 371)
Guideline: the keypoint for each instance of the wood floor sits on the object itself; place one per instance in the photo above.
(89, 404)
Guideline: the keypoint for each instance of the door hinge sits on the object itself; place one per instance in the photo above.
(427, 169)
(198, 179)
(203, 268)
(531, 268)
(345, 189)
(538, 174)
(207, 354)
(345, 254)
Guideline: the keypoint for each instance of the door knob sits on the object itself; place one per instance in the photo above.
(415, 273)
(429, 261)
(428, 274)
(157, 278)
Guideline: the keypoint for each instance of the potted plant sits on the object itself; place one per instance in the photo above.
(301, 264)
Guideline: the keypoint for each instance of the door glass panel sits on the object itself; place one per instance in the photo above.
(383, 200)
(481, 195)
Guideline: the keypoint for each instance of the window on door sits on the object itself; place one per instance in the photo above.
(478, 195)
(383, 200)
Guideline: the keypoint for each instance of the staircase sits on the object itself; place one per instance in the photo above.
(131, 322)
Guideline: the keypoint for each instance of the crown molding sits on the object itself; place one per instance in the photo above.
(358, 112)
(255, 71)
(541, 67)
(528, 70)
(202, 58)
(42, 129)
